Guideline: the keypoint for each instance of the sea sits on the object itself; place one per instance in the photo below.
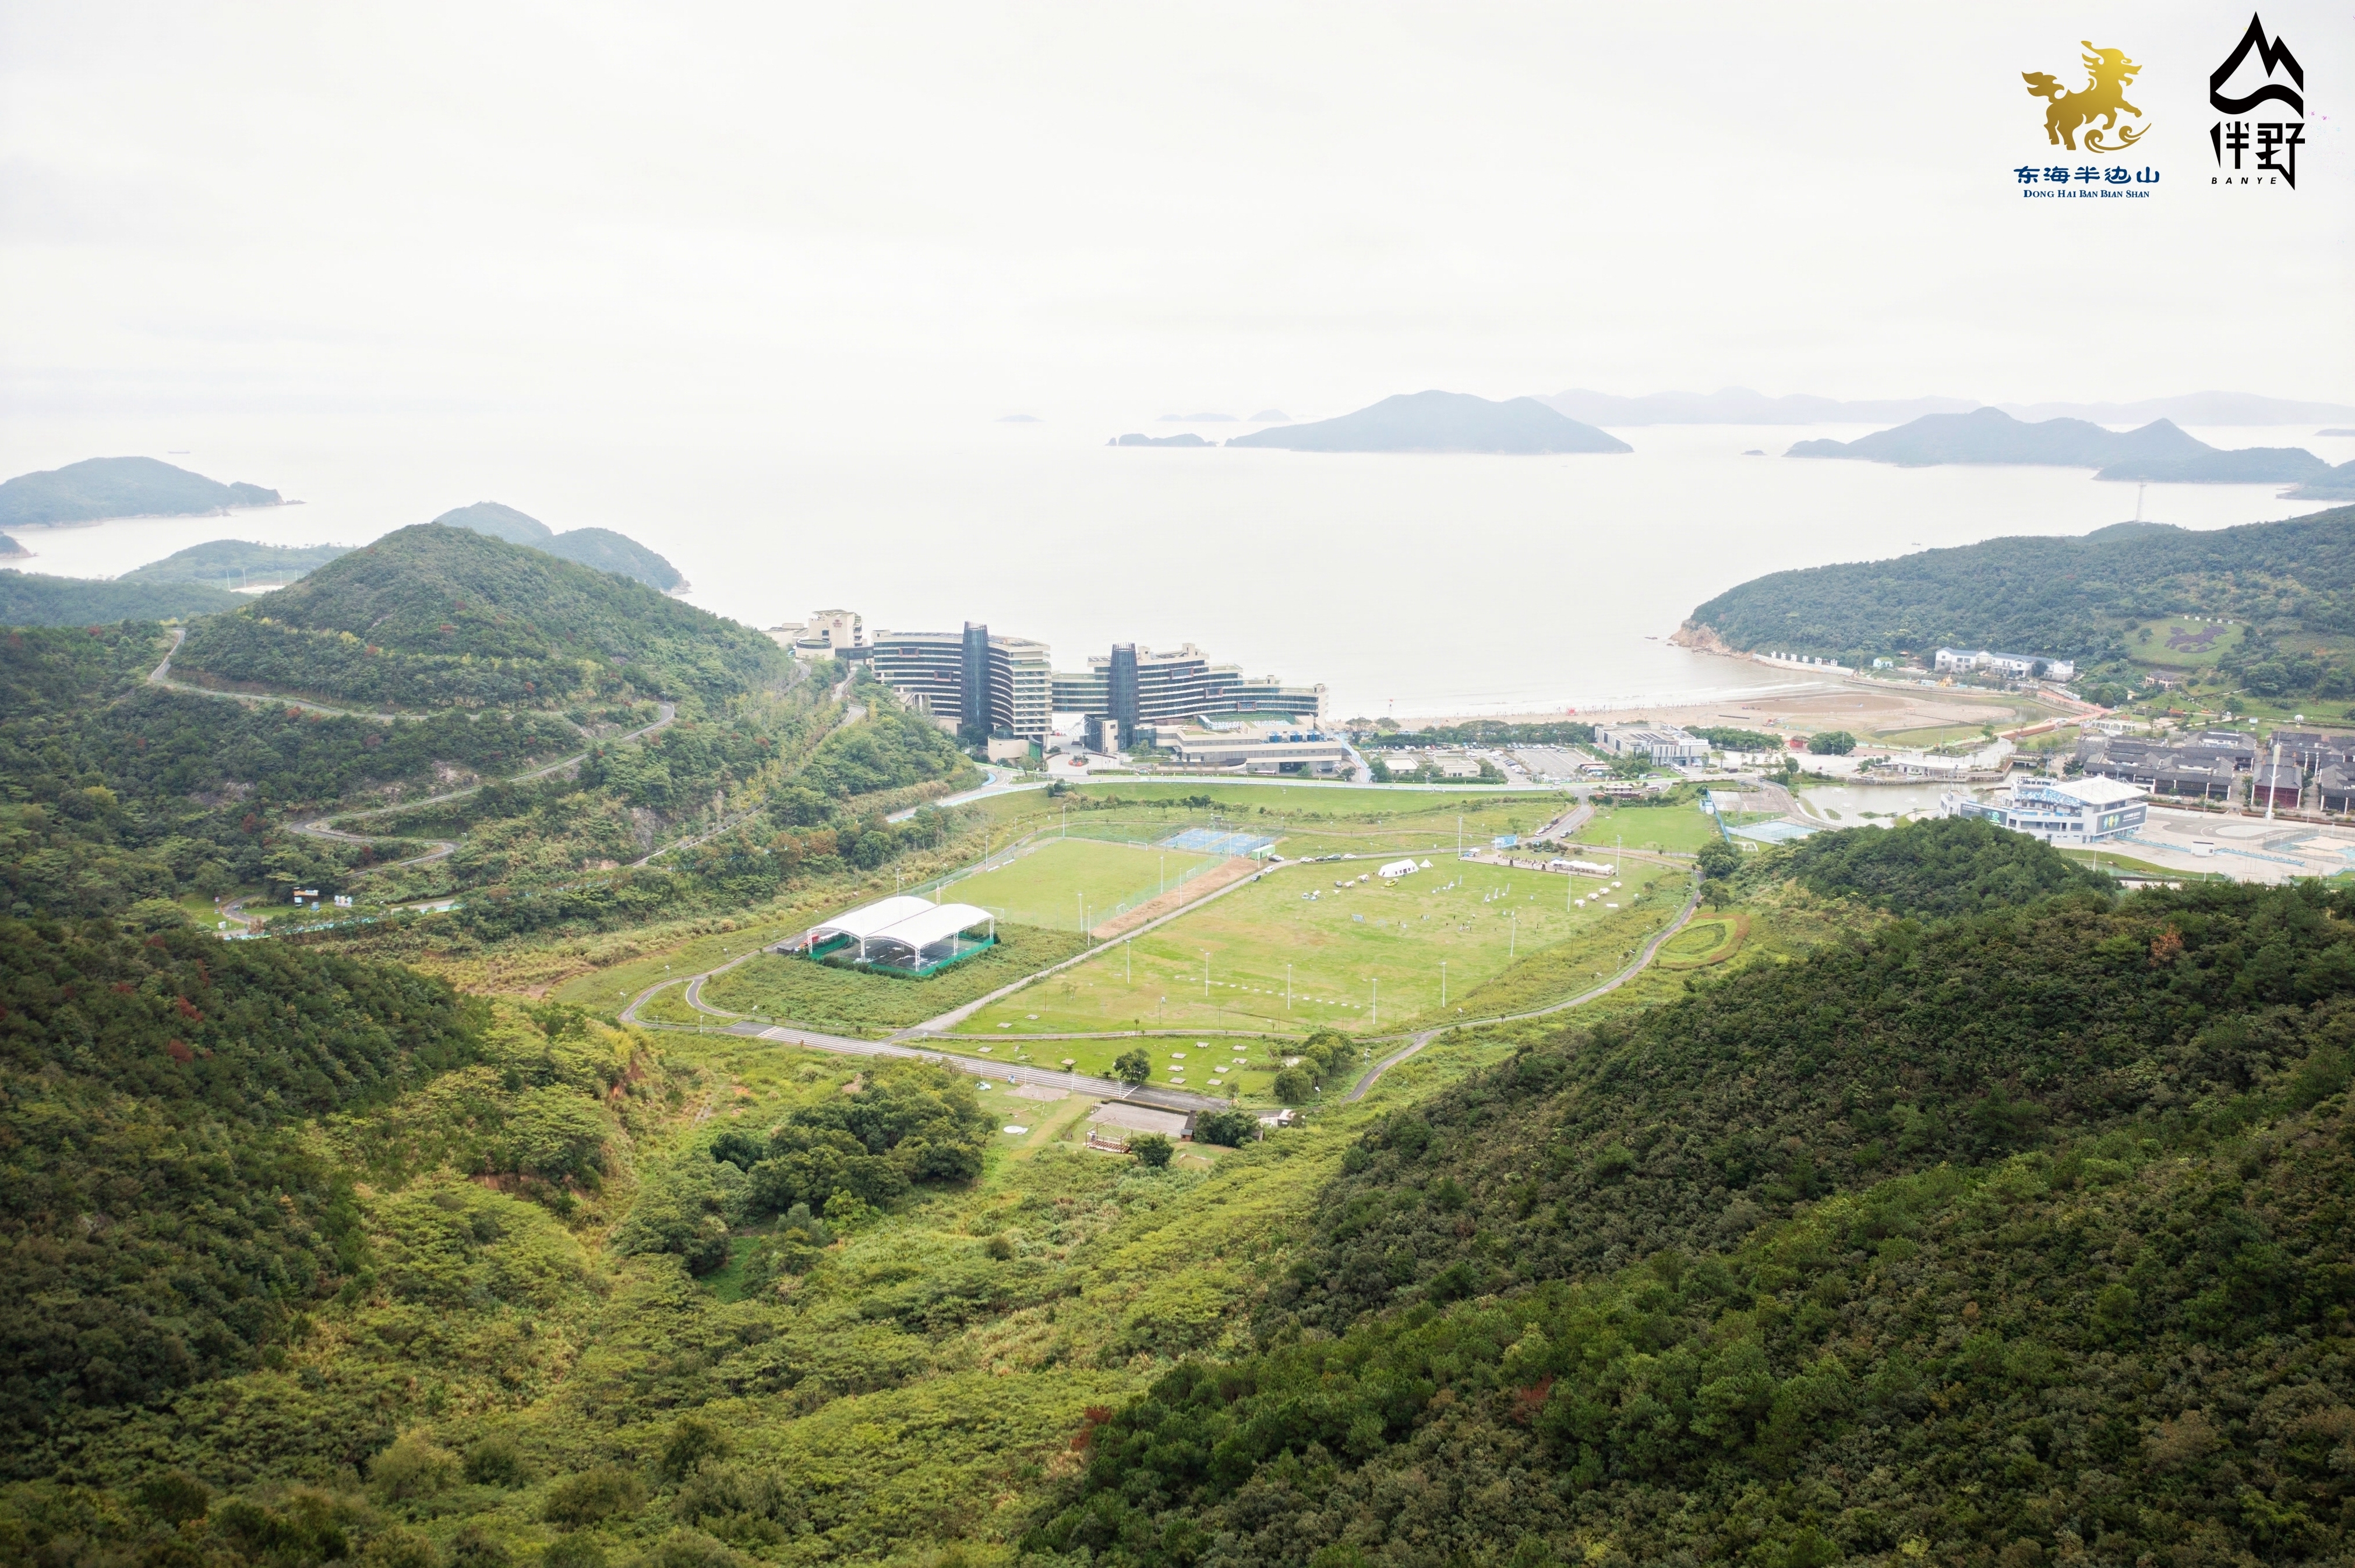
(1418, 586)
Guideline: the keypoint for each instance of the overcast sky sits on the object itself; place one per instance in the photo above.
(633, 216)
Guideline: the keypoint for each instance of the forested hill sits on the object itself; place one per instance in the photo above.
(434, 617)
(601, 547)
(2064, 597)
(2017, 1237)
(100, 487)
(35, 599)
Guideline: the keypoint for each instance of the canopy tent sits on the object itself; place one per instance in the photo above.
(858, 924)
(932, 937)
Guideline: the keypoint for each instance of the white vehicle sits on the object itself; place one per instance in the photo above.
(1406, 868)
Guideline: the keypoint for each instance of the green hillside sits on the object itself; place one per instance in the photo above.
(434, 617)
(100, 487)
(2070, 598)
(233, 563)
(32, 599)
(2013, 1235)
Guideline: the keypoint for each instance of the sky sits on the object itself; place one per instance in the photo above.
(712, 221)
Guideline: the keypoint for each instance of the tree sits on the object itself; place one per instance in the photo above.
(1152, 1150)
(1719, 860)
(1831, 744)
(1132, 1066)
(1228, 1129)
(1293, 1085)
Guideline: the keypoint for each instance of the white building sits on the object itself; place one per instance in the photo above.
(2017, 667)
(1660, 743)
(826, 633)
(2060, 811)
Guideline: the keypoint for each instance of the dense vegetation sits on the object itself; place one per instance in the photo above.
(232, 563)
(113, 792)
(100, 487)
(162, 1220)
(1481, 733)
(2061, 597)
(2014, 1233)
(436, 617)
(1942, 866)
(32, 599)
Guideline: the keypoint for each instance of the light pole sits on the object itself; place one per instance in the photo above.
(1206, 973)
(1442, 982)
(1287, 988)
(1378, 1004)
(1512, 933)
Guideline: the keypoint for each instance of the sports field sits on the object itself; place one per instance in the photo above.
(1363, 957)
(1055, 884)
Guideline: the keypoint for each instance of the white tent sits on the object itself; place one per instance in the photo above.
(868, 919)
(1401, 868)
(926, 937)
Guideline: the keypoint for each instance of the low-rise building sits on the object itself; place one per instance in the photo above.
(1305, 752)
(1659, 743)
(2060, 811)
(2277, 784)
(2017, 667)
(2334, 786)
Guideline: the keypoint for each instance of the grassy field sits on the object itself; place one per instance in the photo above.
(1364, 958)
(1678, 829)
(1230, 797)
(846, 1001)
(1045, 887)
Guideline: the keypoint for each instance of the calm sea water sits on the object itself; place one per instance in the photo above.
(1417, 585)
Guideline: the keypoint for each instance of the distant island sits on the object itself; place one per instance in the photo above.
(31, 599)
(236, 563)
(1738, 405)
(10, 549)
(98, 488)
(1271, 416)
(2334, 432)
(1199, 418)
(601, 547)
(2337, 484)
(2158, 451)
(1441, 422)
(1134, 439)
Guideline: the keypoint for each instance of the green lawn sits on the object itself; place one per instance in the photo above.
(1045, 886)
(1678, 829)
(848, 1001)
(1364, 958)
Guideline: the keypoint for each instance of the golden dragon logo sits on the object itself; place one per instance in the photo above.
(2100, 98)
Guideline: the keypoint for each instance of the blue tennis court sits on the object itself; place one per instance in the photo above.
(1211, 841)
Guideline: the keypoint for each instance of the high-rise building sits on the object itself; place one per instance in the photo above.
(981, 685)
(1142, 689)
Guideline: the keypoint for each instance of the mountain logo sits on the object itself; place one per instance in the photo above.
(2274, 142)
(2103, 97)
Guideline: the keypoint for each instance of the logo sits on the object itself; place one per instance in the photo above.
(2109, 73)
(2273, 143)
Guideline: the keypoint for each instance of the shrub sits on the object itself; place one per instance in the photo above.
(470, 1548)
(414, 1467)
(574, 1551)
(1228, 1129)
(1152, 1150)
(398, 1548)
(1293, 1085)
(175, 1497)
(495, 1462)
(692, 1440)
(592, 1494)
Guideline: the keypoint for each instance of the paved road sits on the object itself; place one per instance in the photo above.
(1642, 959)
